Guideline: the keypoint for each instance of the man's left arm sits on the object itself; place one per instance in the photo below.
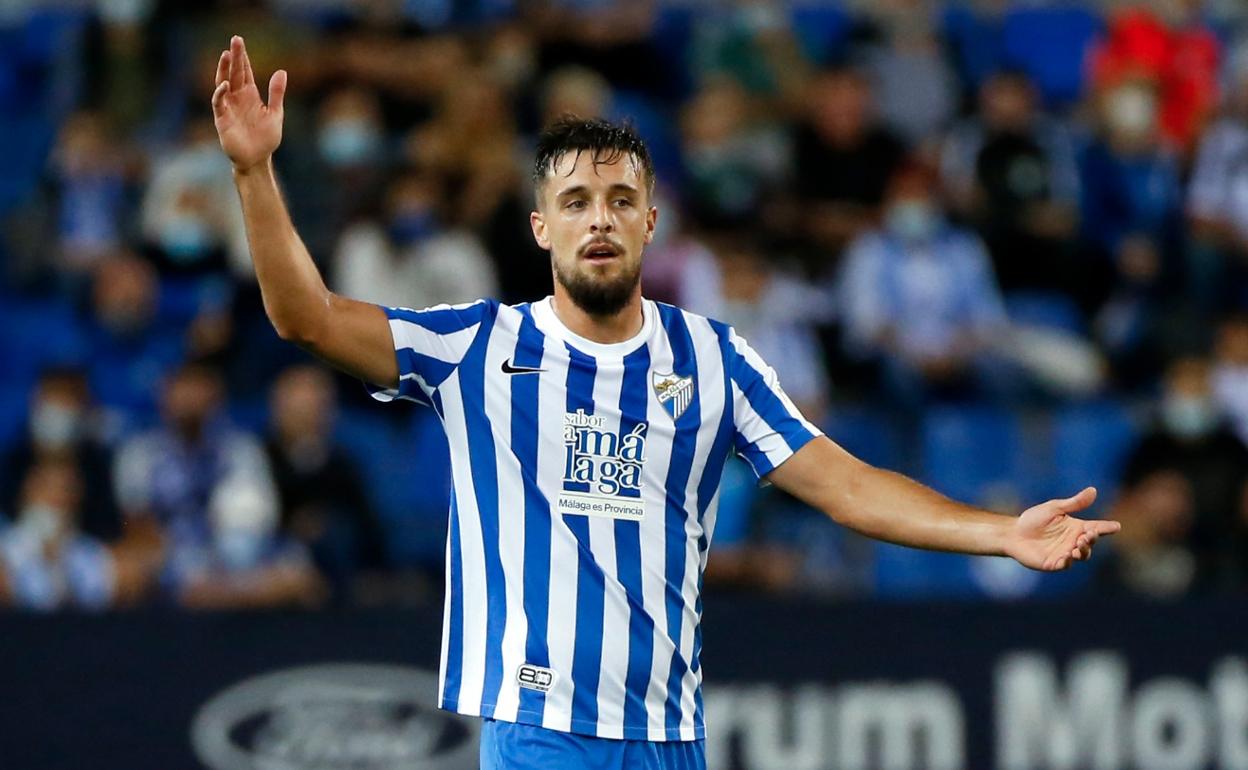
(889, 506)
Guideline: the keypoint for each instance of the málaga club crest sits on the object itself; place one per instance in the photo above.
(674, 393)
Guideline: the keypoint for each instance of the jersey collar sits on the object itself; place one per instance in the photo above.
(546, 320)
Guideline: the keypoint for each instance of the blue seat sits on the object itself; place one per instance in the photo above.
(968, 450)
(1047, 309)
(39, 333)
(1050, 44)
(14, 405)
(1091, 443)
(406, 470)
(909, 573)
(866, 433)
(822, 29)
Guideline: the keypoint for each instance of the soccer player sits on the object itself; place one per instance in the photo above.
(588, 432)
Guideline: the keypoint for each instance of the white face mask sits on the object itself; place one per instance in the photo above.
(239, 549)
(244, 520)
(1132, 110)
(1189, 417)
(42, 523)
(53, 426)
(913, 221)
(347, 142)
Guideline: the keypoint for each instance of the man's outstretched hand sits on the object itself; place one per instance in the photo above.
(249, 129)
(1047, 537)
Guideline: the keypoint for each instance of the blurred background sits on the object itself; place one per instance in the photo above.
(1001, 246)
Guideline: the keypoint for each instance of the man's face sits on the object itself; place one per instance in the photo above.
(595, 219)
(190, 399)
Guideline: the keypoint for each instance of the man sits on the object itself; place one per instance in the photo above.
(587, 435)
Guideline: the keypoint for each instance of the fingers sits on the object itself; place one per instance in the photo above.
(249, 77)
(1103, 527)
(219, 107)
(1079, 501)
(237, 76)
(277, 91)
(223, 68)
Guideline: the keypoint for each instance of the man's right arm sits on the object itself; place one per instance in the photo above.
(350, 335)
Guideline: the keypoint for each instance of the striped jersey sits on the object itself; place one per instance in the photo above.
(585, 485)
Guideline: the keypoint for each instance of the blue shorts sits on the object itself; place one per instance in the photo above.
(508, 746)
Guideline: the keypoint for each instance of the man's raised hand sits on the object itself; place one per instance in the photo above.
(249, 129)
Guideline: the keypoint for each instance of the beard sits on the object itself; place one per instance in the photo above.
(599, 296)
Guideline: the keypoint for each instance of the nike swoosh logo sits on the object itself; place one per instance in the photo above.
(509, 369)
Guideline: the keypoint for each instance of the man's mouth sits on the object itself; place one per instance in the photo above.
(600, 252)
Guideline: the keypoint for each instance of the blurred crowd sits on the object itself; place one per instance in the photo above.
(1001, 246)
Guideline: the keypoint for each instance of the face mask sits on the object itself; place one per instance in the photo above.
(239, 549)
(41, 522)
(1132, 111)
(913, 221)
(126, 11)
(55, 427)
(1189, 417)
(243, 521)
(350, 142)
(204, 164)
(186, 238)
(412, 226)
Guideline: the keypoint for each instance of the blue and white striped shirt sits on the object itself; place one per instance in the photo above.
(586, 481)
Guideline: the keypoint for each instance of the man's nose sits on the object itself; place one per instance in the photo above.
(602, 219)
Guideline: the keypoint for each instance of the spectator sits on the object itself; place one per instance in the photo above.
(613, 38)
(1230, 374)
(1011, 171)
(416, 259)
(1217, 202)
(243, 561)
(1191, 440)
(323, 502)
(176, 483)
(91, 179)
(1153, 559)
(340, 173)
(64, 425)
(733, 161)
(1130, 183)
(1180, 60)
(771, 309)
(843, 160)
(190, 218)
(575, 91)
(130, 351)
(46, 560)
(753, 44)
(916, 89)
(918, 295)
(1130, 215)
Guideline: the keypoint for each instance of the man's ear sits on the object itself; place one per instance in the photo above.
(652, 219)
(538, 222)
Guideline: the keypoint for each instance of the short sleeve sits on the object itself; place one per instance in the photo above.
(428, 345)
(768, 428)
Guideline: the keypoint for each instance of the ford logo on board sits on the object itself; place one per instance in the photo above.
(334, 717)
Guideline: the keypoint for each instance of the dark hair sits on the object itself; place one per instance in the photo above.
(606, 141)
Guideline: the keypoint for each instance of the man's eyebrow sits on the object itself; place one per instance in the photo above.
(580, 189)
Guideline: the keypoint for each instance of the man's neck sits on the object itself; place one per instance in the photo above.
(605, 330)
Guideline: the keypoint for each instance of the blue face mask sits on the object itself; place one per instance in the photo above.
(411, 227)
(186, 238)
(346, 143)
